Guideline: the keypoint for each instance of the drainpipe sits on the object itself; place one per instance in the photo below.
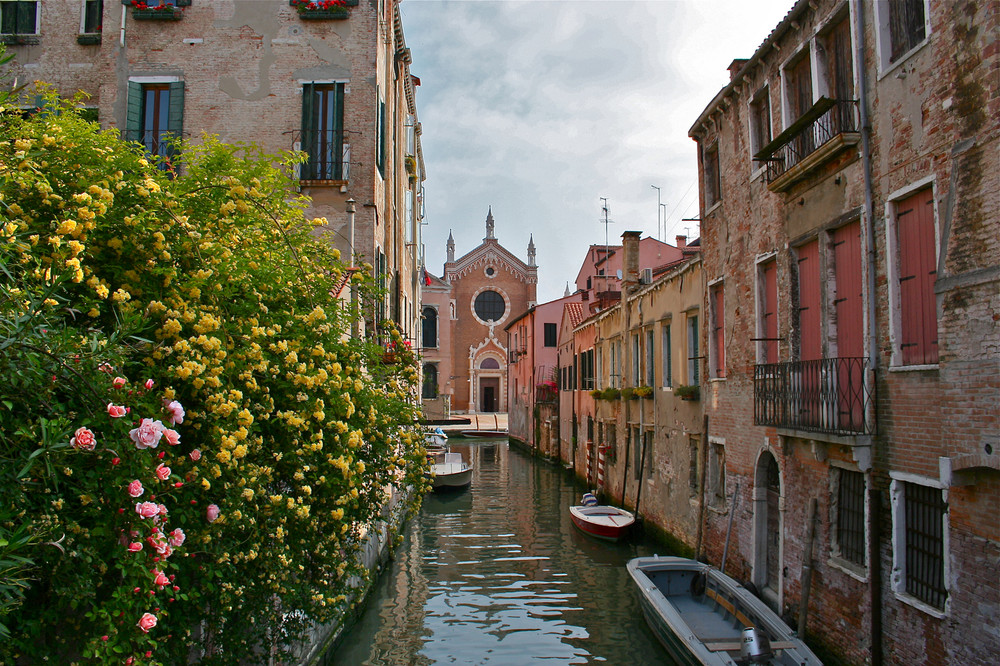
(858, 20)
(121, 33)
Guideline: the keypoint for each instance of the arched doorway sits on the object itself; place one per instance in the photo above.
(769, 505)
(489, 385)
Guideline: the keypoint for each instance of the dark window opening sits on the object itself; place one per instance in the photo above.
(490, 306)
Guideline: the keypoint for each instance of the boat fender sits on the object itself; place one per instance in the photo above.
(698, 584)
(589, 500)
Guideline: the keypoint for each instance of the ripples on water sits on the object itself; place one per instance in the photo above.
(498, 574)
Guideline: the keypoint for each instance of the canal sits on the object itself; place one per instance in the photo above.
(498, 574)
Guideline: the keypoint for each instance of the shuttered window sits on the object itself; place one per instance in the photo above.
(915, 239)
(667, 352)
(810, 323)
(769, 310)
(713, 180)
(155, 118)
(847, 303)
(18, 17)
(694, 357)
(717, 301)
(323, 131)
(550, 332)
(907, 26)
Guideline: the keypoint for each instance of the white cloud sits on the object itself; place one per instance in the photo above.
(540, 108)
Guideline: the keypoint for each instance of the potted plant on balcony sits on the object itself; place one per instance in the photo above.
(644, 391)
(688, 392)
(610, 394)
(144, 11)
(596, 394)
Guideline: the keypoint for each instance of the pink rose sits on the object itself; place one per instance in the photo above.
(148, 384)
(134, 547)
(162, 472)
(172, 436)
(211, 513)
(147, 509)
(175, 411)
(160, 579)
(147, 622)
(177, 538)
(167, 551)
(118, 382)
(195, 455)
(163, 510)
(135, 488)
(116, 411)
(147, 435)
(83, 440)
(157, 541)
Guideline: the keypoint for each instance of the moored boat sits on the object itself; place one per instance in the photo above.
(485, 434)
(450, 471)
(703, 616)
(436, 438)
(599, 520)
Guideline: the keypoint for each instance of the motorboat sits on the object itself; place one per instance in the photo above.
(702, 616)
(600, 520)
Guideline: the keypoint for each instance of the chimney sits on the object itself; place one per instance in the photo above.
(682, 242)
(735, 67)
(630, 247)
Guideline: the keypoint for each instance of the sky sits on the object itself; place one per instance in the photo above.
(540, 108)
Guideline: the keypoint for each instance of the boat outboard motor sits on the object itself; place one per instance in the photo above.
(589, 500)
(755, 647)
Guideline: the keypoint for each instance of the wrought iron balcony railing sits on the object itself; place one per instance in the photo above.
(817, 127)
(829, 395)
(329, 155)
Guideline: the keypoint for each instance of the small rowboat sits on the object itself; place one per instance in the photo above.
(703, 616)
(450, 474)
(601, 521)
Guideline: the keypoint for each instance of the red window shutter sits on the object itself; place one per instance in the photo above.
(917, 275)
(810, 330)
(769, 311)
(847, 302)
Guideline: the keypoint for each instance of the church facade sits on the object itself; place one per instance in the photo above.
(463, 344)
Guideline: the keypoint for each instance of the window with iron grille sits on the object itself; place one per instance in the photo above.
(323, 131)
(923, 515)
(849, 530)
(18, 17)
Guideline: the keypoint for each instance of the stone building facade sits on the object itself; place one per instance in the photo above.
(849, 206)
(479, 293)
(334, 84)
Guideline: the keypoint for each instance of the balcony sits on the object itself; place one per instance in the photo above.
(826, 129)
(830, 395)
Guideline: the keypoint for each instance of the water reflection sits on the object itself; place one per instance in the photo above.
(497, 574)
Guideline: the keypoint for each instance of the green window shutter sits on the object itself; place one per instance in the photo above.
(175, 118)
(307, 138)
(26, 12)
(133, 112)
(339, 132)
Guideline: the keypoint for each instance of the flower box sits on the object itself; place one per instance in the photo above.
(19, 40)
(691, 392)
(644, 391)
(168, 13)
(89, 39)
(325, 14)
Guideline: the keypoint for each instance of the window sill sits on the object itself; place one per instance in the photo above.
(20, 40)
(914, 368)
(322, 183)
(893, 66)
(922, 605)
(716, 379)
(157, 14)
(88, 38)
(855, 571)
(711, 209)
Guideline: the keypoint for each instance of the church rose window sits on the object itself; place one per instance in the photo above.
(490, 306)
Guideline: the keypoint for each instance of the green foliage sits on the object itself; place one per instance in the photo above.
(688, 391)
(211, 288)
(610, 394)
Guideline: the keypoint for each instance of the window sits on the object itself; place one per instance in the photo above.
(380, 139)
(636, 444)
(713, 180)
(489, 364)
(647, 446)
(587, 369)
(717, 302)
(797, 78)
(650, 369)
(599, 368)
(809, 306)
(18, 17)
(693, 479)
(93, 10)
(430, 388)
(550, 335)
(490, 306)
(667, 351)
(429, 334)
(613, 376)
(916, 258)
(636, 360)
(760, 120)
(848, 286)
(840, 75)
(920, 516)
(717, 473)
(767, 311)
(693, 369)
(323, 132)
(155, 118)
(902, 27)
(849, 517)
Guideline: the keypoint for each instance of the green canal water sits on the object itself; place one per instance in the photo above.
(498, 574)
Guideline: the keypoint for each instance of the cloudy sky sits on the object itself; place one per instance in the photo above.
(540, 108)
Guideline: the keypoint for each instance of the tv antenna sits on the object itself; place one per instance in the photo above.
(607, 244)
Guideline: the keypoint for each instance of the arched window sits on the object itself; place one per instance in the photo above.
(489, 364)
(490, 306)
(430, 328)
(430, 387)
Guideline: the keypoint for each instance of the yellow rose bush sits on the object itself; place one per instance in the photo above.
(296, 441)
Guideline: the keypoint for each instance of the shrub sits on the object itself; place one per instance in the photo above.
(610, 394)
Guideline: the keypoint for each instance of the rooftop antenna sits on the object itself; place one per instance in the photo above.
(658, 206)
(607, 245)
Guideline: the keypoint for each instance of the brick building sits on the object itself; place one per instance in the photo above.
(478, 294)
(335, 84)
(849, 206)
